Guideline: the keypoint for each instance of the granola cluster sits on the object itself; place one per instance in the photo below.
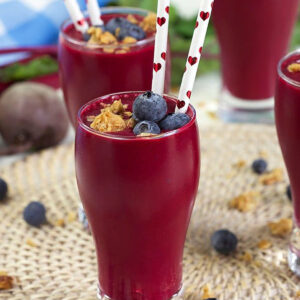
(281, 228)
(6, 282)
(244, 202)
(294, 67)
(272, 177)
(113, 118)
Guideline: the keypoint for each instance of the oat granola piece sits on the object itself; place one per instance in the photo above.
(271, 177)
(240, 164)
(121, 51)
(149, 23)
(31, 243)
(72, 216)
(108, 122)
(146, 134)
(132, 19)
(6, 282)
(294, 67)
(281, 228)
(129, 40)
(244, 202)
(264, 244)
(246, 257)
(100, 37)
(117, 107)
(206, 293)
(130, 123)
(60, 223)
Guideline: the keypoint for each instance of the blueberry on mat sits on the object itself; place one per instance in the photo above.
(149, 107)
(224, 241)
(259, 166)
(174, 121)
(3, 189)
(132, 30)
(289, 192)
(115, 23)
(146, 127)
(35, 214)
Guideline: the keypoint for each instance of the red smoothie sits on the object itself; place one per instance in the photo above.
(253, 36)
(138, 194)
(287, 113)
(90, 71)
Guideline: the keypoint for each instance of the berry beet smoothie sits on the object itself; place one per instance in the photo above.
(287, 112)
(89, 71)
(138, 192)
(253, 36)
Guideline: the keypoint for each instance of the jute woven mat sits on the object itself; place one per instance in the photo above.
(62, 264)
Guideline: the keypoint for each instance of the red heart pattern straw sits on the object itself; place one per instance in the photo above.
(76, 15)
(194, 56)
(94, 12)
(161, 43)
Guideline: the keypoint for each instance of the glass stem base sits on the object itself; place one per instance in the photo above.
(101, 296)
(233, 109)
(294, 252)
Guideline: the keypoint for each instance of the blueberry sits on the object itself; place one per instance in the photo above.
(3, 189)
(35, 213)
(289, 192)
(133, 30)
(224, 241)
(146, 127)
(174, 121)
(115, 23)
(259, 166)
(86, 36)
(149, 107)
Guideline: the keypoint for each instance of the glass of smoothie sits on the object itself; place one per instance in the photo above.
(253, 36)
(89, 70)
(138, 192)
(287, 116)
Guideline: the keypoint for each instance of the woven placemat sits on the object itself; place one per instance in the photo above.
(61, 263)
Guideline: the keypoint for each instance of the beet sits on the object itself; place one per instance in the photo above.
(32, 116)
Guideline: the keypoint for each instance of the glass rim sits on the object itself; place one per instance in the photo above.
(282, 75)
(108, 10)
(139, 138)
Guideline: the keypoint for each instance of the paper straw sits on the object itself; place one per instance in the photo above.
(161, 42)
(94, 12)
(194, 56)
(76, 15)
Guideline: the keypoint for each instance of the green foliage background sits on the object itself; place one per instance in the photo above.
(181, 31)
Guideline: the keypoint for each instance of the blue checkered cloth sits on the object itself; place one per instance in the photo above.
(32, 22)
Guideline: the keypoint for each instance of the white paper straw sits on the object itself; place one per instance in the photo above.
(194, 56)
(94, 12)
(76, 15)
(161, 43)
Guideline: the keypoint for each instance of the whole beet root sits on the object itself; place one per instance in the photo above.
(32, 116)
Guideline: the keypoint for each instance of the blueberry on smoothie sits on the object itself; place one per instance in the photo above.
(115, 23)
(259, 166)
(146, 127)
(35, 214)
(174, 121)
(3, 189)
(224, 241)
(132, 30)
(86, 36)
(149, 107)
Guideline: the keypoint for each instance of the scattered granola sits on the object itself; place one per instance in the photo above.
(149, 23)
(72, 216)
(271, 177)
(60, 223)
(100, 37)
(294, 67)
(129, 40)
(6, 282)
(145, 134)
(31, 243)
(246, 257)
(240, 164)
(297, 294)
(132, 19)
(282, 227)
(264, 244)
(130, 123)
(244, 202)
(206, 293)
